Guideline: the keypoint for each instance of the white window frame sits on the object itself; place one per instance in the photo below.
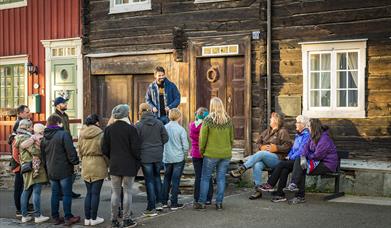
(13, 5)
(208, 1)
(131, 7)
(18, 59)
(334, 47)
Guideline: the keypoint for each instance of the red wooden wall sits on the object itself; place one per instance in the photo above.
(23, 28)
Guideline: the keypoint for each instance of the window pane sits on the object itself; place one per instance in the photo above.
(325, 98)
(314, 99)
(353, 79)
(118, 1)
(341, 61)
(341, 98)
(2, 103)
(353, 60)
(125, 1)
(325, 80)
(314, 81)
(326, 61)
(352, 98)
(341, 81)
(16, 92)
(315, 61)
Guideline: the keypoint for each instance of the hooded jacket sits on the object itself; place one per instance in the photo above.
(153, 136)
(94, 163)
(58, 153)
(121, 146)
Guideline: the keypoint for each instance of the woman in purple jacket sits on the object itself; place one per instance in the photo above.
(194, 134)
(319, 157)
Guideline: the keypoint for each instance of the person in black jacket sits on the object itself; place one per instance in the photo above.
(153, 136)
(121, 146)
(59, 156)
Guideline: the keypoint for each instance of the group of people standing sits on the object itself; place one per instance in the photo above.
(158, 141)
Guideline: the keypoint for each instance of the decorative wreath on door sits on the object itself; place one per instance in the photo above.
(212, 75)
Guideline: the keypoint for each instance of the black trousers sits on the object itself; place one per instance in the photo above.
(298, 175)
(280, 174)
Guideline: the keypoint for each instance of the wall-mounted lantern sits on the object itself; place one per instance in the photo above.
(31, 68)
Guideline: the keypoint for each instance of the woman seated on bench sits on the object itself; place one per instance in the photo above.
(319, 157)
(274, 144)
(281, 172)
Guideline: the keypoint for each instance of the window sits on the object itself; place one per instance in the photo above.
(334, 79)
(122, 6)
(7, 4)
(12, 85)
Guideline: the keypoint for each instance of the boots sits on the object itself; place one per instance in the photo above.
(238, 172)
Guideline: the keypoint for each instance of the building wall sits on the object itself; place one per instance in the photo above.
(297, 21)
(23, 28)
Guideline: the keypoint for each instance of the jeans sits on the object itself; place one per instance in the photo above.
(259, 161)
(18, 190)
(209, 164)
(91, 202)
(153, 183)
(172, 178)
(299, 174)
(164, 119)
(280, 174)
(36, 189)
(65, 185)
(116, 183)
(197, 164)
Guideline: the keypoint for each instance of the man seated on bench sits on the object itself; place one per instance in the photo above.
(281, 172)
(274, 144)
(319, 157)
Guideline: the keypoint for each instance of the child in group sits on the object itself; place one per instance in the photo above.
(174, 155)
(194, 134)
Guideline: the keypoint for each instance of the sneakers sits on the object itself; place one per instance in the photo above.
(40, 219)
(238, 172)
(277, 199)
(219, 206)
(209, 202)
(98, 220)
(87, 222)
(266, 187)
(18, 214)
(176, 206)
(199, 206)
(255, 195)
(159, 206)
(150, 213)
(26, 219)
(129, 223)
(72, 220)
(296, 200)
(292, 187)
(114, 223)
(164, 205)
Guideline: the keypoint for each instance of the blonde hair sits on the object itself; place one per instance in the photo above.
(174, 114)
(25, 124)
(217, 111)
(144, 107)
(279, 118)
(39, 128)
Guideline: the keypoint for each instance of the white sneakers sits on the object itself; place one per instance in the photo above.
(39, 219)
(93, 222)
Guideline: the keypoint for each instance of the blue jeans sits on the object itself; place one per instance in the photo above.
(153, 183)
(36, 188)
(91, 202)
(65, 185)
(197, 164)
(164, 119)
(259, 161)
(172, 178)
(209, 164)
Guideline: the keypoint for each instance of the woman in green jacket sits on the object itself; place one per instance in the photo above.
(216, 140)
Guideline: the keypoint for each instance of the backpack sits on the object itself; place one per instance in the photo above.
(15, 160)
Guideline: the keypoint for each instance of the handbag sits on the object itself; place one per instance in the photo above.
(26, 167)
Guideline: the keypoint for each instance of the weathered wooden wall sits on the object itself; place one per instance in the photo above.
(297, 21)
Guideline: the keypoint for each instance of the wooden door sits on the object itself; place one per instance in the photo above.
(140, 86)
(224, 77)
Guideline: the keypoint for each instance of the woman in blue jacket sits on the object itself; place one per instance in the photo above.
(281, 171)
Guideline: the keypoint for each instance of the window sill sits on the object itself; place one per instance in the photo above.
(334, 114)
(130, 8)
(13, 5)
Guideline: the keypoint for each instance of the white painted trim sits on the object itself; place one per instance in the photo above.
(13, 5)
(71, 42)
(333, 47)
(332, 41)
(208, 1)
(113, 54)
(131, 7)
(18, 59)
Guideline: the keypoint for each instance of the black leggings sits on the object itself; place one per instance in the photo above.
(280, 174)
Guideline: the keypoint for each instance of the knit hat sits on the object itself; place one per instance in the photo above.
(120, 111)
(39, 128)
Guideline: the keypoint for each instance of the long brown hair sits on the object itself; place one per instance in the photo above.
(317, 129)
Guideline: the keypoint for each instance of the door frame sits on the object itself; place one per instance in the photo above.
(244, 44)
(63, 43)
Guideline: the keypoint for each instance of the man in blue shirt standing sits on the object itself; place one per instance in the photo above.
(162, 95)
